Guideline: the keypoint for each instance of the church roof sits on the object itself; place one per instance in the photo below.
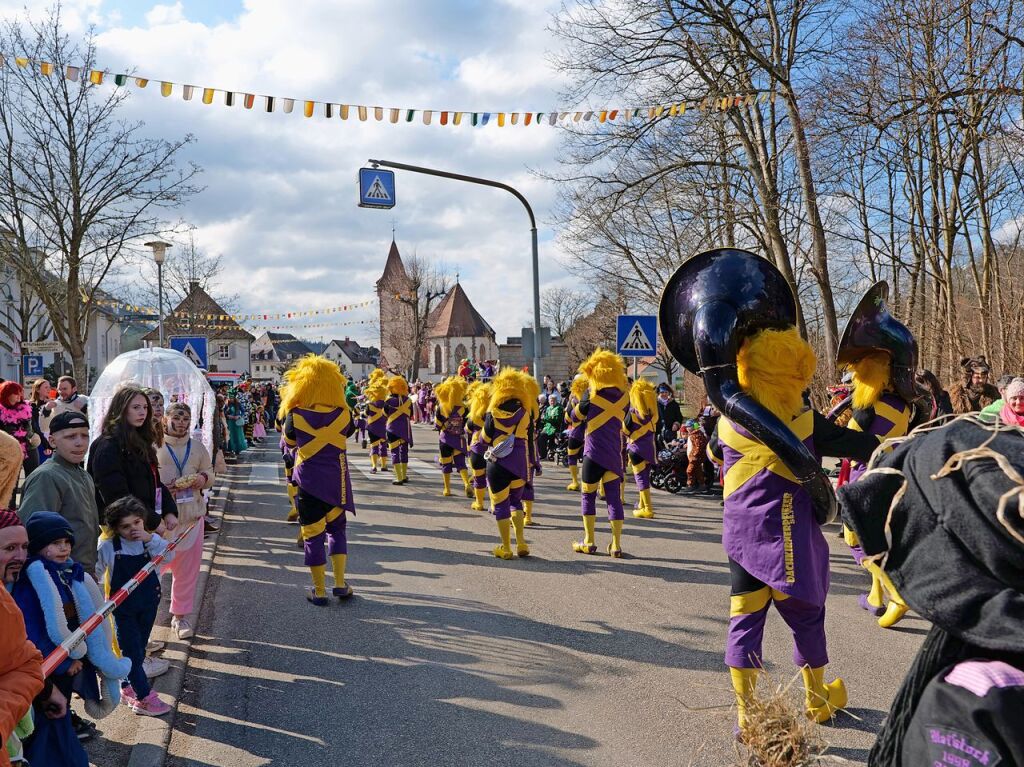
(394, 270)
(456, 316)
(199, 314)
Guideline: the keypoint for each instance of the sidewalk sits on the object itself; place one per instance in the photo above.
(136, 741)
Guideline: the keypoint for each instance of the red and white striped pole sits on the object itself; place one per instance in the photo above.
(89, 625)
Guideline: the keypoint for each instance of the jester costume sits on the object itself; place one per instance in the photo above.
(450, 421)
(478, 399)
(601, 410)
(398, 409)
(575, 429)
(639, 427)
(881, 354)
(775, 494)
(507, 430)
(376, 421)
(317, 425)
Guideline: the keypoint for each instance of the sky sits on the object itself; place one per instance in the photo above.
(280, 194)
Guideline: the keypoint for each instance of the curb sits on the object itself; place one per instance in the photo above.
(154, 733)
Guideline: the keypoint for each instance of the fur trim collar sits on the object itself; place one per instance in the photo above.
(17, 414)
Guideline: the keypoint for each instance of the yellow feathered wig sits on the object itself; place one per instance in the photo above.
(376, 388)
(508, 384)
(579, 385)
(603, 369)
(644, 399)
(398, 386)
(871, 374)
(775, 367)
(478, 398)
(450, 393)
(313, 380)
(376, 374)
(532, 387)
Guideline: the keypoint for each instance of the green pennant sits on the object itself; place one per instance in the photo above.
(409, 114)
(474, 118)
(120, 79)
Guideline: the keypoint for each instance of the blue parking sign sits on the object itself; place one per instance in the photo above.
(32, 365)
(637, 335)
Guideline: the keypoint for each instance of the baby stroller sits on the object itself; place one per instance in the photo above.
(558, 449)
(670, 472)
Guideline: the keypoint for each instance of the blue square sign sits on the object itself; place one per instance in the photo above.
(637, 335)
(193, 347)
(376, 188)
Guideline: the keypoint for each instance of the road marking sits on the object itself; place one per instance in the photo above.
(265, 473)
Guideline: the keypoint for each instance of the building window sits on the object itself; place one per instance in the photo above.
(437, 360)
(483, 353)
(460, 354)
(224, 351)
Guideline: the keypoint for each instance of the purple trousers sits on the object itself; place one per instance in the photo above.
(399, 452)
(643, 479)
(612, 497)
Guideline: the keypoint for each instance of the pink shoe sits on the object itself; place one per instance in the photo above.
(128, 695)
(151, 705)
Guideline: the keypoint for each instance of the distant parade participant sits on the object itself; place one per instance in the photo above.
(507, 429)
(973, 392)
(376, 392)
(602, 409)
(533, 467)
(478, 399)
(398, 408)
(450, 422)
(575, 430)
(317, 424)
(730, 317)
(639, 425)
(881, 354)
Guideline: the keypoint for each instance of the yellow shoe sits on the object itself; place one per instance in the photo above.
(893, 614)
(293, 515)
(822, 700)
(503, 553)
(582, 547)
(573, 487)
(744, 682)
(641, 512)
(479, 499)
(527, 513)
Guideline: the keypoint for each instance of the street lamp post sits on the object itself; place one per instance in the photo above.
(159, 255)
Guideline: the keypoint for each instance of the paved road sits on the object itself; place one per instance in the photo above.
(448, 656)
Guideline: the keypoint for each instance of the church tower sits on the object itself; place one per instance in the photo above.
(394, 280)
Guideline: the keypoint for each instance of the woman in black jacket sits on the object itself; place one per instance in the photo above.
(122, 460)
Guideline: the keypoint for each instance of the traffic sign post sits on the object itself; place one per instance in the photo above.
(32, 366)
(376, 188)
(193, 347)
(636, 336)
(41, 347)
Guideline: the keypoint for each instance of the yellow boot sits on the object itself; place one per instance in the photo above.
(318, 595)
(373, 462)
(744, 682)
(574, 474)
(600, 489)
(480, 495)
(447, 479)
(466, 484)
(504, 551)
(822, 700)
(643, 509)
(527, 513)
(522, 549)
(897, 608)
(615, 547)
(587, 545)
(341, 589)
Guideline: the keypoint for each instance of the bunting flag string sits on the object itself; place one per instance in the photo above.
(316, 325)
(395, 115)
(272, 315)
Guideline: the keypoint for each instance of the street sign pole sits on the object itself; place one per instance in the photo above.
(533, 231)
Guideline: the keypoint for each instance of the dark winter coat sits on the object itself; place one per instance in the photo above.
(118, 473)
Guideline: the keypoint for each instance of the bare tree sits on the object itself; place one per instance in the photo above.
(406, 332)
(562, 307)
(77, 183)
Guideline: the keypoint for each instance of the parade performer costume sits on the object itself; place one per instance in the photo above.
(317, 425)
(288, 456)
(881, 354)
(507, 428)
(398, 409)
(478, 399)
(575, 429)
(450, 421)
(376, 420)
(533, 467)
(639, 426)
(942, 515)
(729, 316)
(968, 397)
(601, 410)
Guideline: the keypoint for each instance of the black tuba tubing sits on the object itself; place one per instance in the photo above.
(715, 341)
(840, 408)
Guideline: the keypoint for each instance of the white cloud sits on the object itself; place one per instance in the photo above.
(160, 15)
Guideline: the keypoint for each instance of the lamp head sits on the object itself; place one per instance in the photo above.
(159, 250)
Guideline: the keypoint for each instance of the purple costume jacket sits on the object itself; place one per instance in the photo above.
(640, 436)
(602, 415)
(768, 526)
(574, 424)
(399, 412)
(499, 424)
(376, 419)
(474, 431)
(892, 419)
(452, 427)
(319, 436)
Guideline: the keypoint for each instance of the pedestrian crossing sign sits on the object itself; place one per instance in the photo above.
(637, 335)
(376, 188)
(193, 347)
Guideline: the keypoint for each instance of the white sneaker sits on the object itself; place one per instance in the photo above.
(182, 627)
(155, 646)
(154, 667)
